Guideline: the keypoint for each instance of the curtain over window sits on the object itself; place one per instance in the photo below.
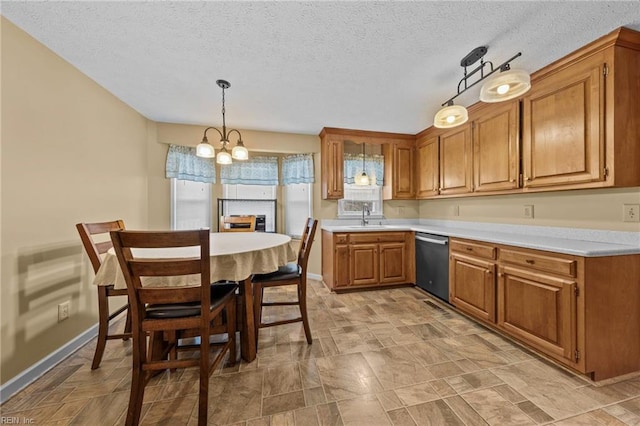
(254, 171)
(373, 166)
(297, 169)
(182, 163)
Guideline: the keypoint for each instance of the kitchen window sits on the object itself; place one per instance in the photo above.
(190, 204)
(355, 198)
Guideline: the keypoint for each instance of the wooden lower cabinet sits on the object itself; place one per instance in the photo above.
(583, 312)
(472, 286)
(363, 264)
(539, 309)
(367, 259)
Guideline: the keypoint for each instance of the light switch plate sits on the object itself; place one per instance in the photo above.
(528, 211)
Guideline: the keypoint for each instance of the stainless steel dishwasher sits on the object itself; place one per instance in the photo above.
(432, 264)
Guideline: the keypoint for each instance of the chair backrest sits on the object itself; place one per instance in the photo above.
(237, 224)
(95, 250)
(135, 268)
(306, 241)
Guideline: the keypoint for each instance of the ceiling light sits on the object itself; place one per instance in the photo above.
(204, 149)
(451, 116)
(507, 85)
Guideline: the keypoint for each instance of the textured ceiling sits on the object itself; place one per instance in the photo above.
(300, 66)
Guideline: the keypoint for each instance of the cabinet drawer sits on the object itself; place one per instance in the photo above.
(341, 238)
(556, 265)
(375, 237)
(476, 249)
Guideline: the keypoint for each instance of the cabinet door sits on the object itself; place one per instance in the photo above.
(472, 286)
(341, 269)
(539, 309)
(363, 264)
(332, 169)
(403, 172)
(427, 173)
(398, 171)
(563, 126)
(393, 259)
(496, 154)
(455, 161)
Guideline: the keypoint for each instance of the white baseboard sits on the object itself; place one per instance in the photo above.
(314, 276)
(31, 374)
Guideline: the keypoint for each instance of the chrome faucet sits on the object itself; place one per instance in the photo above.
(365, 208)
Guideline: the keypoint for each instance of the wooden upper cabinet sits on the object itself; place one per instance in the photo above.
(456, 161)
(398, 171)
(427, 167)
(397, 148)
(581, 119)
(496, 147)
(332, 159)
(563, 126)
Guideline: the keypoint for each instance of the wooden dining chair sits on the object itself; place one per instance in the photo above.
(294, 273)
(237, 224)
(89, 233)
(166, 310)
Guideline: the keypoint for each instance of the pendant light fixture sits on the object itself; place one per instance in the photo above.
(206, 150)
(362, 179)
(508, 84)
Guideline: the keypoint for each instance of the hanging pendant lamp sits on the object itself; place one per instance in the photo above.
(362, 179)
(206, 150)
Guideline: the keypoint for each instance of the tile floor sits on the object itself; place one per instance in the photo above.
(388, 357)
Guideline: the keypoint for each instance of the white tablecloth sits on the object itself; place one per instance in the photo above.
(234, 257)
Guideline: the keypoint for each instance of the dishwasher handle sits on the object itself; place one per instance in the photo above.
(431, 240)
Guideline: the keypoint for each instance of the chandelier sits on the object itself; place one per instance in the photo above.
(507, 84)
(206, 150)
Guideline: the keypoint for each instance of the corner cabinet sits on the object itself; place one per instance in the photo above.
(427, 166)
(580, 311)
(358, 260)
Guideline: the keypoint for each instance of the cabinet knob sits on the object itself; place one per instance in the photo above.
(469, 248)
(527, 178)
(512, 180)
(530, 261)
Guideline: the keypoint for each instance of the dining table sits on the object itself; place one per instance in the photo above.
(234, 256)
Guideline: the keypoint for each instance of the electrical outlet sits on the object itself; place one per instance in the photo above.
(528, 211)
(63, 311)
(456, 210)
(631, 212)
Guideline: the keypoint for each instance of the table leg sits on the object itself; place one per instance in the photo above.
(248, 334)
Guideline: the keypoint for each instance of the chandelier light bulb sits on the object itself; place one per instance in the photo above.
(502, 89)
(505, 85)
(223, 157)
(451, 116)
(205, 150)
(239, 152)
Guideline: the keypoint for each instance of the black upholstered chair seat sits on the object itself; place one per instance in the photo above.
(182, 310)
(287, 272)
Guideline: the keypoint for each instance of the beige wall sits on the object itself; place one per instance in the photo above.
(71, 152)
(594, 209)
(256, 142)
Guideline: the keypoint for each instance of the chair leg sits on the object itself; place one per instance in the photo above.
(203, 400)
(138, 380)
(302, 298)
(257, 307)
(103, 326)
(230, 312)
(127, 324)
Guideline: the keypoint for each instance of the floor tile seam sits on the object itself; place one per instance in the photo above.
(458, 414)
(580, 413)
(513, 404)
